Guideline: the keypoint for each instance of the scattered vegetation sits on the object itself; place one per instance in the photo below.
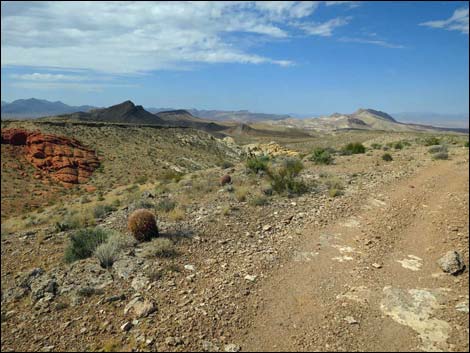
(376, 146)
(354, 148)
(163, 247)
(321, 156)
(143, 225)
(101, 211)
(387, 157)
(284, 177)
(241, 193)
(177, 214)
(258, 200)
(166, 205)
(256, 164)
(431, 141)
(398, 145)
(84, 242)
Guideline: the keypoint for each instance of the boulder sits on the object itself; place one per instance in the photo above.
(64, 159)
(451, 262)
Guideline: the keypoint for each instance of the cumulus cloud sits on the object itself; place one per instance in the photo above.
(135, 37)
(457, 22)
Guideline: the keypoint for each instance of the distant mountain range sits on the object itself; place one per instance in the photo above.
(128, 112)
(35, 108)
(362, 119)
(241, 116)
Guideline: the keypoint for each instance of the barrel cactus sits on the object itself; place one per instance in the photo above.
(143, 225)
(226, 179)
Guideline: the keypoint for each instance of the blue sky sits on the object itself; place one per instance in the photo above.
(278, 57)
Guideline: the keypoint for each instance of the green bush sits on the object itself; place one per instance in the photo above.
(166, 205)
(225, 164)
(84, 242)
(354, 148)
(256, 164)
(283, 177)
(376, 146)
(101, 211)
(258, 200)
(431, 141)
(466, 144)
(398, 145)
(387, 157)
(321, 156)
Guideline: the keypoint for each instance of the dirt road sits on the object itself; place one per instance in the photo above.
(370, 281)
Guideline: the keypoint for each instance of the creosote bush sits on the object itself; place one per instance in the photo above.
(431, 141)
(143, 225)
(321, 156)
(387, 157)
(354, 148)
(84, 242)
(256, 164)
(166, 205)
(283, 177)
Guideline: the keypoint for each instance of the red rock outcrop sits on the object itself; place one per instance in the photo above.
(65, 159)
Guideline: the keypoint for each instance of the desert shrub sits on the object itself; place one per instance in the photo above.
(258, 200)
(385, 148)
(406, 143)
(334, 185)
(166, 205)
(226, 164)
(106, 254)
(431, 141)
(171, 175)
(321, 156)
(437, 149)
(267, 189)
(143, 225)
(466, 144)
(241, 193)
(85, 199)
(141, 179)
(440, 155)
(176, 214)
(398, 145)
(354, 148)
(89, 291)
(74, 220)
(84, 242)
(376, 146)
(101, 211)
(284, 179)
(256, 164)
(162, 247)
(387, 157)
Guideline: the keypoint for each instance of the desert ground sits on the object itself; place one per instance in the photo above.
(345, 259)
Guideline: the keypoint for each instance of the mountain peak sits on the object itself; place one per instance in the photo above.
(376, 113)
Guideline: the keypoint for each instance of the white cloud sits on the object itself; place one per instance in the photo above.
(40, 77)
(73, 86)
(378, 42)
(351, 4)
(135, 37)
(324, 29)
(457, 22)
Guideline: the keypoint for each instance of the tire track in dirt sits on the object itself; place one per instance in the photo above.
(370, 282)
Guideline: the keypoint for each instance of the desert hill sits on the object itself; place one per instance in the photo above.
(34, 108)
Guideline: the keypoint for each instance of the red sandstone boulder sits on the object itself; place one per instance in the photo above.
(65, 159)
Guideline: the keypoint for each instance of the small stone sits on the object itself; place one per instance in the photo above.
(189, 267)
(144, 309)
(351, 320)
(173, 341)
(267, 228)
(376, 265)
(126, 326)
(231, 348)
(250, 278)
(451, 263)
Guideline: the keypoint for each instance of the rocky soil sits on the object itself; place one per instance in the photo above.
(313, 272)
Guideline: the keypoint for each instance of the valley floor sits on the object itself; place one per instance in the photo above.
(349, 273)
